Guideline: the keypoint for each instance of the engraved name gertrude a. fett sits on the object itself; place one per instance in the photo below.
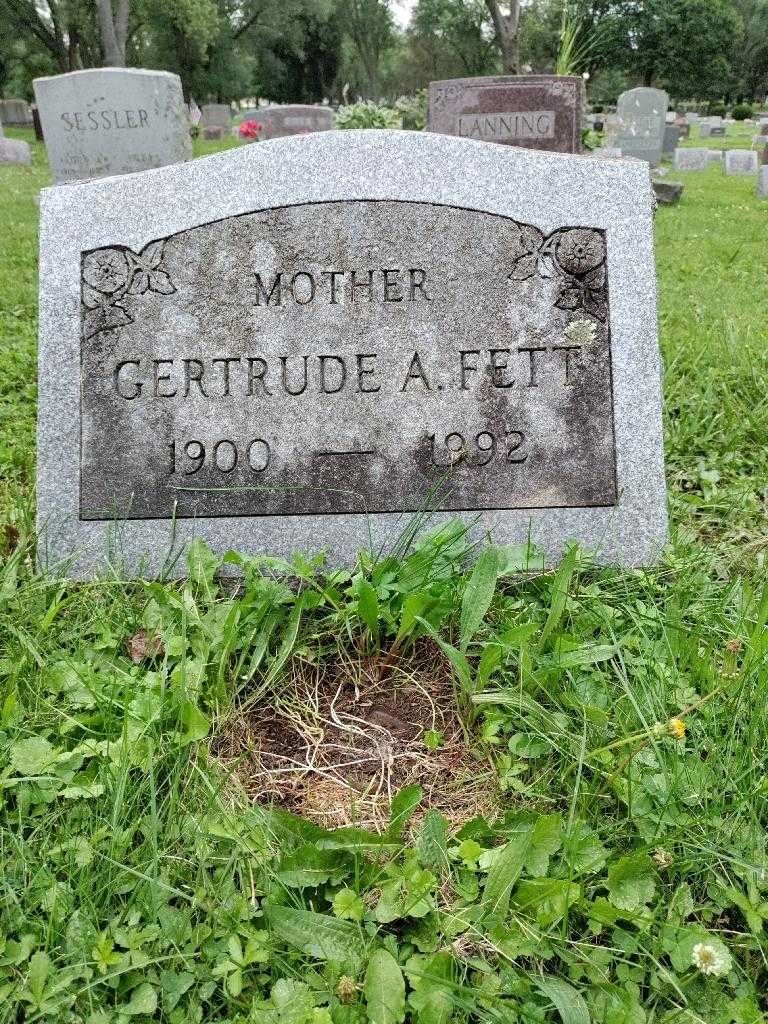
(256, 375)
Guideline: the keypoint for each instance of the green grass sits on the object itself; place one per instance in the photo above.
(619, 718)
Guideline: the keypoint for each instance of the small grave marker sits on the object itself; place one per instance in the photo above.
(294, 119)
(740, 161)
(217, 115)
(306, 342)
(690, 159)
(762, 182)
(532, 111)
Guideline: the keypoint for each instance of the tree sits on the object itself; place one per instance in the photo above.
(114, 30)
(506, 28)
(456, 33)
(749, 52)
(65, 28)
(370, 28)
(679, 44)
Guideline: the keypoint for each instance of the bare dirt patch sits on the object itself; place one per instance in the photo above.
(342, 742)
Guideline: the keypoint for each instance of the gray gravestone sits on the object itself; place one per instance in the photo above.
(217, 115)
(14, 151)
(715, 156)
(740, 161)
(15, 113)
(671, 139)
(705, 130)
(532, 111)
(107, 121)
(295, 119)
(641, 113)
(305, 341)
(213, 132)
(717, 131)
(762, 182)
(668, 193)
(692, 117)
(691, 159)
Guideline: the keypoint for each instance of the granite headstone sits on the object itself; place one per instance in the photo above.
(217, 114)
(306, 341)
(212, 132)
(109, 121)
(671, 139)
(15, 113)
(690, 159)
(641, 113)
(293, 119)
(14, 151)
(531, 111)
(741, 161)
(762, 182)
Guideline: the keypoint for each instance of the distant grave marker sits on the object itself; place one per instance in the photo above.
(217, 115)
(110, 121)
(15, 113)
(641, 115)
(307, 342)
(762, 181)
(740, 161)
(533, 111)
(294, 119)
(691, 159)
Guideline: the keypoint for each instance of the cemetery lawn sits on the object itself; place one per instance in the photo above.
(561, 778)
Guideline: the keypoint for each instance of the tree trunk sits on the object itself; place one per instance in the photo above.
(505, 29)
(114, 31)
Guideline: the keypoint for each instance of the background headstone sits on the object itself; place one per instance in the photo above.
(717, 131)
(531, 111)
(14, 151)
(293, 119)
(641, 114)
(705, 130)
(691, 117)
(106, 121)
(690, 159)
(715, 156)
(218, 114)
(762, 182)
(15, 113)
(671, 139)
(212, 132)
(502, 352)
(740, 161)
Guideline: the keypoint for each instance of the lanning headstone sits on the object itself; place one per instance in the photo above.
(107, 121)
(306, 341)
(641, 113)
(691, 159)
(740, 161)
(295, 119)
(534, 111)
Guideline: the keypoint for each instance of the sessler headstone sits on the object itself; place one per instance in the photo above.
(305, 342)
(532, 111)
(741, 161)
(109, 121)
(691, 159)
(294, 119)
(641, 113)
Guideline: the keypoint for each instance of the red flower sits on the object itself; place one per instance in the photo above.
(250, 130)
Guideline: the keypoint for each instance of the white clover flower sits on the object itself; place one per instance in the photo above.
(581, 332)
(709, 959)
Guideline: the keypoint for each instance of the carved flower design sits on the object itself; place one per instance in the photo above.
(581, 332)
(587, 293)
(146, 276)
(106, 270)
(529, 247)
(111, 274)
(579, 250)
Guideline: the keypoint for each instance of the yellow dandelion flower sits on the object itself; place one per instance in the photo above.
(676, 727)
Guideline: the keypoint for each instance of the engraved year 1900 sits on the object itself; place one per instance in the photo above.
(224, 455)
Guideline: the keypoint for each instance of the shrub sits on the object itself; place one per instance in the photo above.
(716, 110)
(368, 114)
(741, 111)
(413, 110)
